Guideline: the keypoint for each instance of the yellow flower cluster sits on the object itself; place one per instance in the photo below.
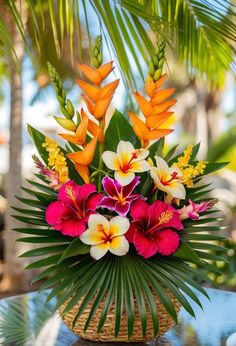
(56, 159)
(189, 171)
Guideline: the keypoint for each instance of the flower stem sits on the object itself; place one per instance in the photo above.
(100, 162)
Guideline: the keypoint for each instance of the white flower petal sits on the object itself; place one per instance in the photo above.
(142, 154)
(124, 178)
(139, 166)
(110, 159)
(90, 237)
(95, 220)
(124, 148)
(176, 190)
(98, 251)
(161, 164)
(119, 246)
(119, 225)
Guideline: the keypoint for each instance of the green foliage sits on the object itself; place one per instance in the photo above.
(119, 129)
(204, 30)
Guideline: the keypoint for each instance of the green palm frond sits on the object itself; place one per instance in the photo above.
(204, 30)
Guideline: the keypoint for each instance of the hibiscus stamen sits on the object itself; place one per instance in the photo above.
(70, 194)
(165, 217)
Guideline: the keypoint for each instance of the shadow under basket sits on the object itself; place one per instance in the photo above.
(107, 333)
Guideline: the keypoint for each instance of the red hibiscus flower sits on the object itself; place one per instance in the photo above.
(153, 229)
(70, 213)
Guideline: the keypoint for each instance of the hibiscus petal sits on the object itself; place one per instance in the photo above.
(128, 189)
(72, 227)
(63, 194)
(83, 193)
(100, 250)
(122, 208)
(145, 246)
(110, 159)
(124, 178)
(119, 246)
(111, 186)
(56, 212)
(167, 241)
(129, 235)
(93, 201)
(139, 210)
(118, 226)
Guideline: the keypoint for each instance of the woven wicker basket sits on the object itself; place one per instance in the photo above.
(107, 333)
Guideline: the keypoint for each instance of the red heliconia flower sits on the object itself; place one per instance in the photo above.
(70, 213)
(153, 229)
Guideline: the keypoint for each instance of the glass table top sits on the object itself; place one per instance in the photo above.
(26, 321)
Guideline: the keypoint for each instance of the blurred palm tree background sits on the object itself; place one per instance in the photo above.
(201, 42)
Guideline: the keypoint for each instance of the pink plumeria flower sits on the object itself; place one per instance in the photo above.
(70, 213)
(192, 210)
(104, 236)
(119, 198)
(168, 179)
(126, 162)
(153, 229)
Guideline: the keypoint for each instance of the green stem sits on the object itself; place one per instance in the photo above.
(100, 171)
(100, 167)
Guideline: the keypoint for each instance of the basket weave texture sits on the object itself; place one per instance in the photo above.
(108, 334)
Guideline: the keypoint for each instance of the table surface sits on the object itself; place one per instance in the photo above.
(26, 321)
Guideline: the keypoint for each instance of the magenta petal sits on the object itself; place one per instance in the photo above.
(93, 201)
(167, 241)
(159, 207)
(73, 227)
(108, 203)
(83, 193)
(145, 246)
(131, 232)
(111, 186)
(122, 209)
(56, 212)
(63, 192)
(128, 189)
(139, 210)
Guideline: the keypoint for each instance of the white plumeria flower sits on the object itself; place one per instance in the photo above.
(168, 179)
(104, 235)
(126, 162)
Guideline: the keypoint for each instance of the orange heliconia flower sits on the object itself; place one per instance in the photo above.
(86, 125)
(83, 158)
(155, 111)
(97, 97)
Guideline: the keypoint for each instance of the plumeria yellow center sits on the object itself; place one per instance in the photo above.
(56, 159)
(174, 176)
(106, 235)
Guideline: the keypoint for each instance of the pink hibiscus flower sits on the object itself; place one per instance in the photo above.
(70, 213)
(153, 229)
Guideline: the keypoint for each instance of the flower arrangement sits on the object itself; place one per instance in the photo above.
(123, 222)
